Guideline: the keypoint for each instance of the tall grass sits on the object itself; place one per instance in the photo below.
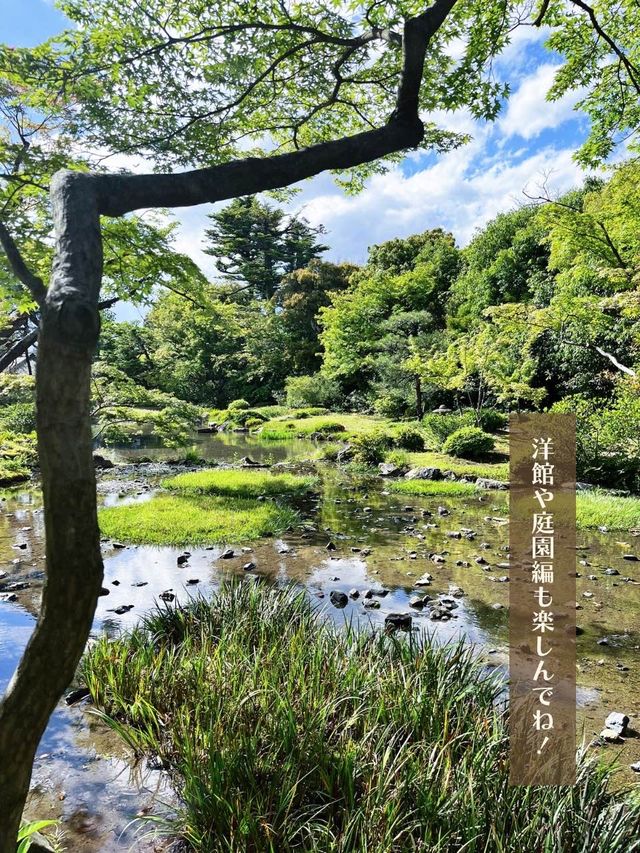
(599, 509)
(284, 734)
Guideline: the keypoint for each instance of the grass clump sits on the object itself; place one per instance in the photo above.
(432, 487)
(282, 733)
(239, 484)
(599, 509)
(195, 520)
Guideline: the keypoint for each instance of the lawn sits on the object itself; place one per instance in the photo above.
(446, 488)
(195, 520)
(239, 484)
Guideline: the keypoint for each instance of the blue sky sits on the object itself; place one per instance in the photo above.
(531, 141)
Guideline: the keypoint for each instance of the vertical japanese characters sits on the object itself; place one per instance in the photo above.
(542, 600)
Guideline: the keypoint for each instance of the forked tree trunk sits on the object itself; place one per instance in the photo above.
(68, 335)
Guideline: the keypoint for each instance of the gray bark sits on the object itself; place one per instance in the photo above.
(68, 335)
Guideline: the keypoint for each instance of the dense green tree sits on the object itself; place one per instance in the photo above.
(257, 244)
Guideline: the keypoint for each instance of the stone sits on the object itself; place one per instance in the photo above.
(425, 580)
(488, 483)
(388, 469)
(101, 462)
(617, 721)
(497, 606)
(338, 599)
(454, 534)
(611, 572)
(346, 453)
(193, 581)
(631, 557)
(118, 545)
(124, 608)
(249, 567)
(182, 559)
(372, 604)
(8, 597)
(635, 767)
(353, 593)
(103, 591)
(227, 554)
(77, 695)
(610, 736)
(442, 510)
(398, 622)
(419, 601)
(166, 596)
(331, 546)
(423, 473)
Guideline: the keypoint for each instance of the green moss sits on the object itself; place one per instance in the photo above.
(195, 520)
(598, 509)
(433, 487)
(239, 484)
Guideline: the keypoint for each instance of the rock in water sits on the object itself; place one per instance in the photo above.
(488, 483)
(101, 462)
(422, 473)
(398, 622)
(388, 469)
(77, 695)
(617, 721)
(338, 599)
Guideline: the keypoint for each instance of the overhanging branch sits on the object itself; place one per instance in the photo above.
(120, 194)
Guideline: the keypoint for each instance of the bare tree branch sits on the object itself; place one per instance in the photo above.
(32, 282)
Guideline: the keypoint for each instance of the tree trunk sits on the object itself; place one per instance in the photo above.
(419, 406)
(68, 335)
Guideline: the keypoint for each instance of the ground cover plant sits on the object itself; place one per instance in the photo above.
(239, 483)
(282, 733)
(433, 487)
(195, 520)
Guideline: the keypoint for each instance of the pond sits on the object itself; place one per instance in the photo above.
(380, 541)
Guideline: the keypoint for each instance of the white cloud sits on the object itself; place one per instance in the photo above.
(529, 113)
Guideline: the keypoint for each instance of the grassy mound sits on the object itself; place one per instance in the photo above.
(282, 733)
(598, 509)
(239, 484)
(447, 488)
(194, 520)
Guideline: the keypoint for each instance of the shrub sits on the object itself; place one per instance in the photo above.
(439, 427)
(309, 412)
(238, 405)
(371, 448)
(15, 388)
(241, 416)
(468, 442)
(253, 423)
(409, 438)
(392, 405)
(491, 420)
(397, 457)
(18, 417)
(316, 390)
